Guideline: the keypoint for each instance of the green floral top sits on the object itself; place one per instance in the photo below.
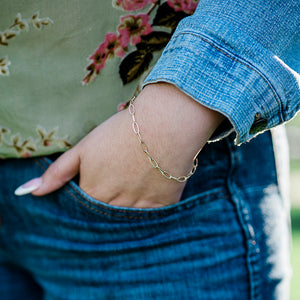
(65, 67)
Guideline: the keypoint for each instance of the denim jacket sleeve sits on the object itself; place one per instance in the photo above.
(239, 58)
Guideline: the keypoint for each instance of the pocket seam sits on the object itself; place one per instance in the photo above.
(126, 216)
(143, 214)
(121, 213)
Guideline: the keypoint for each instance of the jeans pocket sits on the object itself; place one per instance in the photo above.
(67, 236)
(73, 198)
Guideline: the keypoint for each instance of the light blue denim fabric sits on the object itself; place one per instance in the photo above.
(227, 239)
(236, 57)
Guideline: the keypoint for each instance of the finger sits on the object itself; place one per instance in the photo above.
(59, 172)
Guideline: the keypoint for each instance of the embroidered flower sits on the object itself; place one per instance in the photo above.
(99, 58)
(27, 147)
(20, 23)
(17, 27)
(130, 5)
(187, 6)
(2, 132)
(38, 22)
(91, 75)
(4, 63)
(46, 138)
(133, 27)
(24, 148)
(9, 34)
(113, 45)
(3, 39)
(49, 138)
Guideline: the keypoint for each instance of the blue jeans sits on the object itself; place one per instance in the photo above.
(228, 238)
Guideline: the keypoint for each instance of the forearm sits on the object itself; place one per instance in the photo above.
(111, 163)
(173, 125)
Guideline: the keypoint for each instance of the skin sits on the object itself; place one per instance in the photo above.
(112, 166)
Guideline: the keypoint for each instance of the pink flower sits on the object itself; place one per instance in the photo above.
(187, 6)
(122, 106)
(91, 75)
(26, 155)
(130, 5)
(99, 58)
(113, 45)
(132, 27)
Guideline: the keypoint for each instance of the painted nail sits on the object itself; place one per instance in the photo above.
(28, 187)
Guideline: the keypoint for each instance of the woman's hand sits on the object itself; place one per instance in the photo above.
(112, 166)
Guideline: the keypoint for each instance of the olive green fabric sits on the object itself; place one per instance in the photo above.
(44, 107)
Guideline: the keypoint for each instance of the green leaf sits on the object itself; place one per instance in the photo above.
(154, 41)
(134, 64)
(167, 16)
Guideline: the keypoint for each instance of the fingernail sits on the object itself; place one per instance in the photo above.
(28, 187)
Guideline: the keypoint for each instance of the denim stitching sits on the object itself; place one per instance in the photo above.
(146, 214)
(237, 59)
(251, 255)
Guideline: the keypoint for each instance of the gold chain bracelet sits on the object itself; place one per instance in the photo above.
(144, 147)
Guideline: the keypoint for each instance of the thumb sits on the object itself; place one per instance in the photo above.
(58, 173)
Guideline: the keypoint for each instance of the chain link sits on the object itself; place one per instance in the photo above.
(144, 147)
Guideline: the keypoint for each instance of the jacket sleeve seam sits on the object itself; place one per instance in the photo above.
(240, 60)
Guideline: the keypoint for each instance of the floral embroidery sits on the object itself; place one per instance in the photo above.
(27, 147)
(113, 45)
(2, 132)
(130, 5)
(23, 148)
(187, 6)
(20, 24)
(48, 139)
(133, 27)
(137, 37)
(4, 63)
(15, 29)
(38, 22)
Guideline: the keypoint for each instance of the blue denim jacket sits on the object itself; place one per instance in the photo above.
(240, 58)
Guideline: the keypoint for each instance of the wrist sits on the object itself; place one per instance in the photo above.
(174, 126)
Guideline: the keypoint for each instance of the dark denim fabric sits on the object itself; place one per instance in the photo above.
(226, 239)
